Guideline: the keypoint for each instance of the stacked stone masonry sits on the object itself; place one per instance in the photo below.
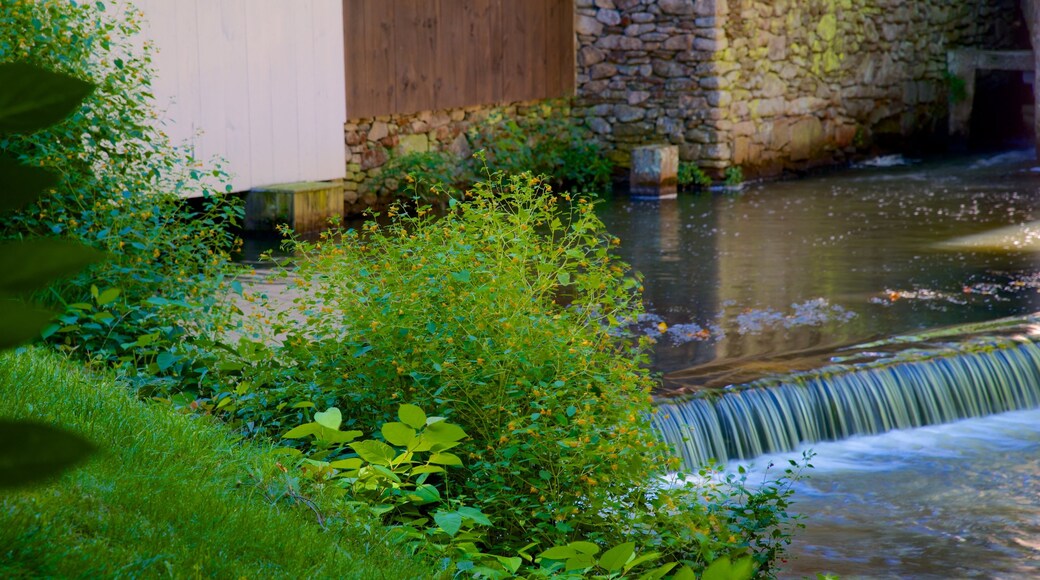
(771, 85)
(767, 85)
(372, 141)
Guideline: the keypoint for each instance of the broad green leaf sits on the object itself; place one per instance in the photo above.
(412, 416)
(332, 418)
(443, 432)
(585, 547)
(510, 564)
(579, 562)
(474, 514)
(398, 434)
(426, 469)
(302, 431)
(424, 494)
(563, 278)
(445, 459)
(615, 558)
(659, 572)
(725, 569)
(27, 266)
(166, 360)
(743, 569)
(351, 463)
(641, 559)
(32, 98)
(326, 435)
(374, 452)
(32, 452)
(22, 322)
(385, 472)
(685, 573)
(558, 553)
(21, 184)
(450, 522)
(108, 296)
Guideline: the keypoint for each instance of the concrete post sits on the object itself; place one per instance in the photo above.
(655, 171)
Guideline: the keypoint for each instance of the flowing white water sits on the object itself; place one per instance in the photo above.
(960, 500)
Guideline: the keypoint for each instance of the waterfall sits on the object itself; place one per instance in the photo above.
(915, 388)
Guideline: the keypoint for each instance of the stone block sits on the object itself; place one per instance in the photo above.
(413, 144)
(655, 170)
(304, 206)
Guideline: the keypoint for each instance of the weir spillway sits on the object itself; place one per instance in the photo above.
(866, 390)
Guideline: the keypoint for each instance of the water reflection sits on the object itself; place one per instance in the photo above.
(778, 267)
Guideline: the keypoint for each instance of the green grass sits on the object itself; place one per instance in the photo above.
(168, 496)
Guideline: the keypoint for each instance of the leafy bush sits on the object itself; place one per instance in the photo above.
(502, 316)
(496, 316)
(121, 183)
(733, 176)
(691, 176)
(544, 142)
(422, 175)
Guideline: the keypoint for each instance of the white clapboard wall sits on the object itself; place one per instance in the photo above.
(259, 83)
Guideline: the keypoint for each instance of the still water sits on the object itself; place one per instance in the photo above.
(782, 268)
(830, 260)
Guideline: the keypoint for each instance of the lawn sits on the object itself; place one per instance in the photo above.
(167, 496)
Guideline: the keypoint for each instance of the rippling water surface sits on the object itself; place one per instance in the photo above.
(832, 259)
(845, 257)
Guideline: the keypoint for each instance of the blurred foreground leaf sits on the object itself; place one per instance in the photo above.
(31, 453)
(33, 98)
(21, 184)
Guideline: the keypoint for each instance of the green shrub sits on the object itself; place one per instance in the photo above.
(122, 184)
(503, 317)
(691, 176)
(497, 316)
(422, 175)
(546, 142)
(733, 176)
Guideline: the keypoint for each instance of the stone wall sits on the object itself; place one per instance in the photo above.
(372, 141)
(771, 85)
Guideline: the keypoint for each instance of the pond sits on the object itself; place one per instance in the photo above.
(781, 269)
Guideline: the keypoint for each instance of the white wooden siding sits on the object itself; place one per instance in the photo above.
(259, 83)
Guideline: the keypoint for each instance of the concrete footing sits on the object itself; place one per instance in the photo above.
(304, 206)
(655, 171)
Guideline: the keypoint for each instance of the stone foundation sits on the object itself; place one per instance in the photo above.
(773, 85)
(372, 142)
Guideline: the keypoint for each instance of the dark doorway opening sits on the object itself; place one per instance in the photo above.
(1002, 112)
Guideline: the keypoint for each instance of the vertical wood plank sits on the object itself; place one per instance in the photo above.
(374, 57)
(416, 54)
(323, 143)
(537, 53)
(235, 75)
(189, 102)
(560, 43)
(454, 52)
(477, 85)
(514, 44)
(279, 53)
(259, 27)
(497, 41)
(213, 82)
(354, 25)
